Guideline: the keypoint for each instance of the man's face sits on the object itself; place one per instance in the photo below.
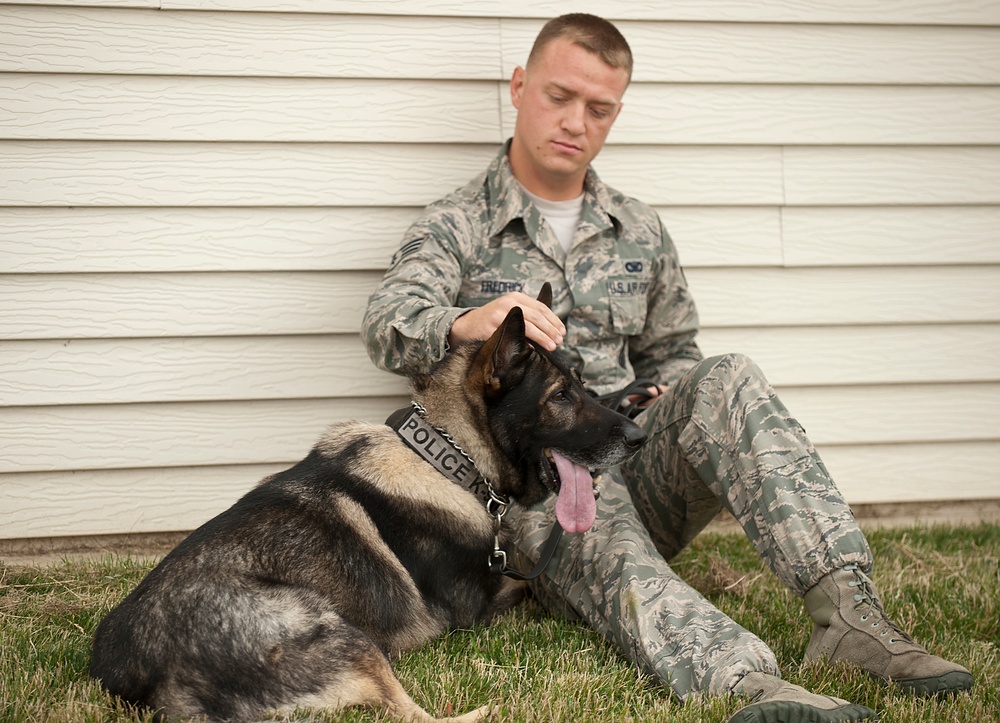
(567, 102)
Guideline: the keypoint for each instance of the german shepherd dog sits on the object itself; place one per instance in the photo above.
(300, 593)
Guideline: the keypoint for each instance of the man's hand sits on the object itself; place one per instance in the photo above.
(654, 392)
(541, 325)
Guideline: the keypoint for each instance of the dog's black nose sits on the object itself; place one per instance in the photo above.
(635, 436)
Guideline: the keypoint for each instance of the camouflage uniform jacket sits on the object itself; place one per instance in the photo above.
(620, 290)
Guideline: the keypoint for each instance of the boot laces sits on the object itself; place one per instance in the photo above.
(865, 598)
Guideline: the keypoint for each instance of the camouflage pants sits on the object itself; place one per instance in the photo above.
(718, 437)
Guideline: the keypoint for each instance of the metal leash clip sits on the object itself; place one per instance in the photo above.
(497, 506)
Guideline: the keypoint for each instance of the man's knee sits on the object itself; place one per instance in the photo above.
(732, 365)
(718, 374)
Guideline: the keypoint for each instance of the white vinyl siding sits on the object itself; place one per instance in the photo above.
(196, 199)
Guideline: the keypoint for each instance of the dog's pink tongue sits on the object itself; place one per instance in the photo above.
(575, 506)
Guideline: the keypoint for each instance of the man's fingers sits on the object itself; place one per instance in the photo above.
(544, 340)
(544, 327)
(646, 400)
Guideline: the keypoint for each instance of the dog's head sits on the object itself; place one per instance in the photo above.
(554, 434)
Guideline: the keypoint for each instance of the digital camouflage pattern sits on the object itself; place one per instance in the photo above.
(718, 436)
(620, 290)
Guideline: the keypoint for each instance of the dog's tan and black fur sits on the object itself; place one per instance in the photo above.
(301, 592)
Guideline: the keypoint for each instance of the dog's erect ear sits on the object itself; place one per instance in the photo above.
(545, 295)
(501, 359)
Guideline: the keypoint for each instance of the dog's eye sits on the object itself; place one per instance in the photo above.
(559, 397)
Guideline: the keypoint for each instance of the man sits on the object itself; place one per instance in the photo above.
(718, 435)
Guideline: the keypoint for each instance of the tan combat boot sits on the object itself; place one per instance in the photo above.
(852, 626)
(772, 700)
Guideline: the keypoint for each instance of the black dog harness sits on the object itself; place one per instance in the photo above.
(442, 452)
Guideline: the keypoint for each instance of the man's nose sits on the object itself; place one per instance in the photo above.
(574, 118)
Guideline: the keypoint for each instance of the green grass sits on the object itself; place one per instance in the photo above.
(940, 583)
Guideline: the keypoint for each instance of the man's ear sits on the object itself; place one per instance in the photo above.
(501, 359)
(517, 80)
(545, 295)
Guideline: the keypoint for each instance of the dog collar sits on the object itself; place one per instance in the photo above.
(438, 448)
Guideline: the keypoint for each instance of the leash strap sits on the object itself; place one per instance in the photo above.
(619, 401)
(498, 563)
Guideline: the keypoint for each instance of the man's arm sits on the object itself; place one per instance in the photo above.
(413, 318)
(406, 324)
